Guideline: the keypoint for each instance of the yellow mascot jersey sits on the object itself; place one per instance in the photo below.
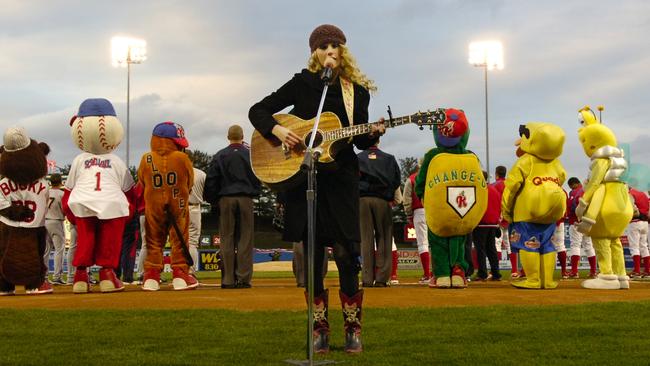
(455, 195)
(534, 188)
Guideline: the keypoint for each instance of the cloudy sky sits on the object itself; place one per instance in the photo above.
(209, 61)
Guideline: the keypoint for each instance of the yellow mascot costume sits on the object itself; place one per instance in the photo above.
(533, 201)
(454, 195)
(605, 209)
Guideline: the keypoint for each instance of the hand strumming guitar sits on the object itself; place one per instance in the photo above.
(285, 135)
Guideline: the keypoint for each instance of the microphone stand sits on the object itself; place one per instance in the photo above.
(309, 165)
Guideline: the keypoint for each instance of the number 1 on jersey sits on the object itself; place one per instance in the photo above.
(99, 177)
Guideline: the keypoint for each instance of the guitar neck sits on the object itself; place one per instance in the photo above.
(356, 130)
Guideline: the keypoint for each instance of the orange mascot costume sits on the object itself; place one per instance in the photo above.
(167, 176)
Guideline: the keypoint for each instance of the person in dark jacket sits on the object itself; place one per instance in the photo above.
(485, 234)
(380, 177)
(230, 182)
(337, 206)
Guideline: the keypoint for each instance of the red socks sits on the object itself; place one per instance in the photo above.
(575, 260)
(637, 263)
(646, 264)
(513, 262)
(592, 264)
(425, 258)
(393, 273)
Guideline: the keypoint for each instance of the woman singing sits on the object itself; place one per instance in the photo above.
(337, 217)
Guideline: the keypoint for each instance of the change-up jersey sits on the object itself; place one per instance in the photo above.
(97, 184)
(54, 209)
(34, 195)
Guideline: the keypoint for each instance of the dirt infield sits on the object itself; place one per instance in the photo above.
(281, 294)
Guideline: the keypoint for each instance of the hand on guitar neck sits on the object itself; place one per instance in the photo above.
(377, 130)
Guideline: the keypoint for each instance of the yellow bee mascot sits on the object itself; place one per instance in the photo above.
(533, 201)
(605, 209)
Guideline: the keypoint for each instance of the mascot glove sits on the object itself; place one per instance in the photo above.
(582, 207)
(584, 226)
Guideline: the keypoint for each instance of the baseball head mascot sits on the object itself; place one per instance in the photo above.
(97, 194)
(533, 201)
(454, 195)
(605, 208)
(167, 176)
(23, 205)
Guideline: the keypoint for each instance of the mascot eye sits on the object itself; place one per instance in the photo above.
(581, 119)
(524, 131)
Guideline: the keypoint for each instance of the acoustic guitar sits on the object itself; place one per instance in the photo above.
(278, 166)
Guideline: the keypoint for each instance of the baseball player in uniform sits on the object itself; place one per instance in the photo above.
(97, 194)
(578, 240)
(196, 198)
(637, 235)
(54, 226)
(415, 214)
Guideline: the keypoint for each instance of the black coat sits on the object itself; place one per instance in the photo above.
(337, 190)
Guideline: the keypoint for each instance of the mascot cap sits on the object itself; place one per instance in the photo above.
(96, 107)
(452, 130)
(16, 139)
(172, 131)
(324, 34)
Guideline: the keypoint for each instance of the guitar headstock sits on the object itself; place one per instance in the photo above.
(429, 118)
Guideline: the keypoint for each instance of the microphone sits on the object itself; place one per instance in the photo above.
(326, 76)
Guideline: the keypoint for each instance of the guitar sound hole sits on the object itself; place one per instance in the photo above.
(317, 141)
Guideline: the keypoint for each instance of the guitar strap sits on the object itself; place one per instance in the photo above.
(348, 99)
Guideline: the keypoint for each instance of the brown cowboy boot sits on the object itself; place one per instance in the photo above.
(321, 325)
(352, 321)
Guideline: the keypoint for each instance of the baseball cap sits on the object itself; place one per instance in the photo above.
(15, 139)
(96, 107)
(453, 128)
(172, 131)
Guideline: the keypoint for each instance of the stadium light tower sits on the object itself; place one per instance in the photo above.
(127, 51)
(489, 56)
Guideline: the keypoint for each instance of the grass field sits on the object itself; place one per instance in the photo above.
(586, 334)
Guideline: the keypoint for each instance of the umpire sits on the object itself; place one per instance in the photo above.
(379, 178)
(230, 182)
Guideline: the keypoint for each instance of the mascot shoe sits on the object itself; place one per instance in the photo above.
(108, 282)
(151, 280)
(183, 280)
(80, 284)
(604, 282)
(458, 277)
(530, 261)
(624, 281)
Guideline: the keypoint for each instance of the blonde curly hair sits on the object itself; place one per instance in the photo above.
(349, 68)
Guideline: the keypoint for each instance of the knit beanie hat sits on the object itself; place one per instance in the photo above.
(324, 34)
(15, 139)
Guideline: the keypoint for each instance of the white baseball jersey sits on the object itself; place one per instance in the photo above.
(34, 196)
(196, 195)
(97, 184)
(54, 209)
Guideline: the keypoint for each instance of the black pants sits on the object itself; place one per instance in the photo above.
(468, 255)
(127, 254)
(346, 263)
(484, 238)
